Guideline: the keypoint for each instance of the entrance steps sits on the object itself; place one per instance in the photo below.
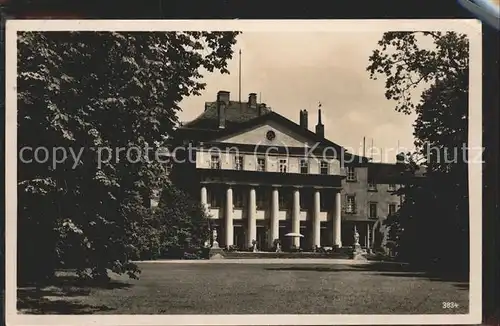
(338, 254)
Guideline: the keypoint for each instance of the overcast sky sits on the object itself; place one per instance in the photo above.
(294, 71)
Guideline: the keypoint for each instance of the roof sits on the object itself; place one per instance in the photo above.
(392, 172)
(236, 113)
(240, 116)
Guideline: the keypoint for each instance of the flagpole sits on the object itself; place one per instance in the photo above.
(239, 80)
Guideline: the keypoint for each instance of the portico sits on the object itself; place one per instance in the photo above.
(274, 210)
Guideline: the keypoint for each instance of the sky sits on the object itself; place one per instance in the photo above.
(295, 71)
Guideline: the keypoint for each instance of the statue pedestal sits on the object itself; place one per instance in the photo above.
(215, 251)
(358, 253)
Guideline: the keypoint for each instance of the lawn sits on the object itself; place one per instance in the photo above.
(231, 288)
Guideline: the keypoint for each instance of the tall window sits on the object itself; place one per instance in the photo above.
(238, 162)
(282, 200)
(304, 166)
(304, 201)
(392, 209)
(373, 210)
(283, 165)
(214, 198)
(351, 174)
(372, 186)
(215, 162)
(350, 204)
(261, 164)
(322, 201)
(260, 199)
(392, 187)
(238, 198)
(323, 167)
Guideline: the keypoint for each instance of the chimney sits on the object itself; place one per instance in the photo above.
(304, 123)
(320, 128)
(223, 96)
(261, 108)
(222, 104)
(252, 100)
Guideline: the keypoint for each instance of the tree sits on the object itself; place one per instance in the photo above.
(433, 223)
(113, 98)
(184, 224)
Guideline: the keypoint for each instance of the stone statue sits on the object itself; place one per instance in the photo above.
(215, 244)
(357, 252)
(356, 237)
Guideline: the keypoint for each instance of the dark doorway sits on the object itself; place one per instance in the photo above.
(261, 237)
(239, 237)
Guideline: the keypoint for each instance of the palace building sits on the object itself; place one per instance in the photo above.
(260, 176)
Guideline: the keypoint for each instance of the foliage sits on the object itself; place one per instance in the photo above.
(183, 224)
(113, 97)
(432, 224)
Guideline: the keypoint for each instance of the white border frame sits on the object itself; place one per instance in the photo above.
(470, 27)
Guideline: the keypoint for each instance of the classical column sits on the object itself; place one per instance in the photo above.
(296, 216)
(203, 197)
(229, 217)
(316, 226)
(252, 212)
(275, 222)
(337, 241)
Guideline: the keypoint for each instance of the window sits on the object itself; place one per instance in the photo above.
(238, 199)
(351, 174)
(214, 199)
(282, 165)
(261, 164)
(304, 166)
(282, 200)
(238, 162)
(215, 162)
(392, 209)
(323, 168)
(373, 210)
(372, 186)
(304, 201)
(323, 202)
(350, 204)
(261, 199)
(392, 187)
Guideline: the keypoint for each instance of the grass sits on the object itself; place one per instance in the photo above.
(230, 288)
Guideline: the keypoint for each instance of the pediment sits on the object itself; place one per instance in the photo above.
(269, 133)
